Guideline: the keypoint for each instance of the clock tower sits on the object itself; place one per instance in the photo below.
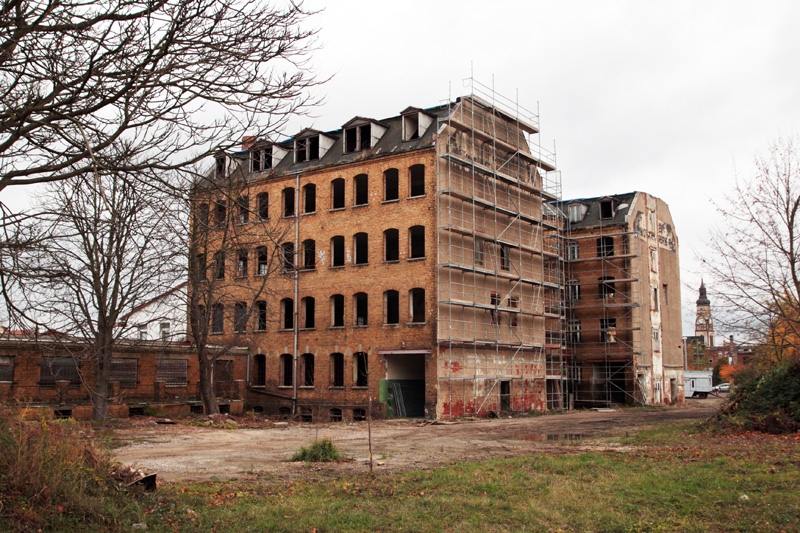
(703, 324)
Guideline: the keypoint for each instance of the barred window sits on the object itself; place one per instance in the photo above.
(54, 369)
(6, 369)
(125, 371)
(173, 372)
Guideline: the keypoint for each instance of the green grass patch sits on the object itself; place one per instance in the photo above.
(319, 451)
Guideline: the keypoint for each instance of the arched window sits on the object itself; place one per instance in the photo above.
(309, 198)
(361, 248)
(287, 370)
(337, 311)
(260, 370)
(337, 370)
(261, 315)
(220, 212)
(243, 209)
(262, 261)
(309, 253)
(361, 190)
(391, 190)
(240, 317)
(416, 237)
(416, 180)
(391, 245)
(288, 202)
(360, 369)
(287, 313)
(337, 251)
(287, 263)
(308, 306)
(218, 319)
(307, 369)
(263, 205)
(391, 307)
(219, 265)
(337, 194)
(360, 306)
(416, 303)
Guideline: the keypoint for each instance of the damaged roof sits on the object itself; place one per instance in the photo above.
(621, 204)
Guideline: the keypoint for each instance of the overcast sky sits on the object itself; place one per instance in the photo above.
(670, 98)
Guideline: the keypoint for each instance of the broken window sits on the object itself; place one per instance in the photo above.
(359, 415)
(287, 370)
(416, 180)
(218, 319)
(361, 248)
(337, 194)
(335, 414)
(416, 236)
(288, 202)
(173, 372)
(391, 245)
(358, 138)
(287, 257)
(337, 251)
(361, 369)
(309, 308)
(219, 265)
(241, 264)
(287, 313)
(261, 315)
(263, 205)
(220, 212)
(307, 369)
(260, 374)
(360, 308)
(391, 190)
(605, 246)
(505, 257)
(361, 190)
(262, 261)
(309, 253)
(261, 159)
(306, 149)
(608, 329)
(240, 317)
(243, 209)
(52, 369)
(606, 209)
(309, 198)
(417, 305)
(337, 311)
(391, 305)
(337, 370)
(607, 288)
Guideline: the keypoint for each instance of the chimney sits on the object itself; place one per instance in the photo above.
(247, 142)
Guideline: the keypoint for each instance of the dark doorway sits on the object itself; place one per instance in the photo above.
(505, 395)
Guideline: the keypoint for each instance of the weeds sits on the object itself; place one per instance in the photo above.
(321, 451)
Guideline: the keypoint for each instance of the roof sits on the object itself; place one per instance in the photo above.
(622, 206)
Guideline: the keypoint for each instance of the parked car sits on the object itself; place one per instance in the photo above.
(722, 387)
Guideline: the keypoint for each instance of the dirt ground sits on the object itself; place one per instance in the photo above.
(188, 453)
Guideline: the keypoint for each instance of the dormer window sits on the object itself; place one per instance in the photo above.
(606, 209)
(260, 159)
(306, 149)
(220, 161)
(415, 123)
(575, 212)
(358, 138)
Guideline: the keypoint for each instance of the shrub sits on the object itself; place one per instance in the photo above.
(320, 451)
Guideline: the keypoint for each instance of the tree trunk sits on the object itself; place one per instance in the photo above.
(100, 391)
(207, 392)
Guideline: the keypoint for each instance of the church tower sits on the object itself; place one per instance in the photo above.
(703, 324)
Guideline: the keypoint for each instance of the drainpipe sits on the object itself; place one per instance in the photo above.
(296, 289)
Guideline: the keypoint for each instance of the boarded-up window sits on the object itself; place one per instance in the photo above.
(54, 369)
(6, 368)
(173, 372)
(125, 371)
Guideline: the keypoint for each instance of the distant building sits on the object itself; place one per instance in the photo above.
(704, 323)
(161, 319)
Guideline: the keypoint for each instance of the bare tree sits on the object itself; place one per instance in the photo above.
(235, 252)
(174, 79)
(106, 249)
(754, 257)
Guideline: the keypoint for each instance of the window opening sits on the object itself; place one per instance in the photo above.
(337, 251)
(337, 193)
(391, 245)
(391, 188)
(607, 287)
(494, 312)
(173, 372)
(513, 303)
(605, 246)
(309, 307)
(575, 213)
(606, 209)
(361, 190)
(243, 209)
(220, 164)
(417, 241)
(307, 362)
(202, 215)
(417, 297)
(126, 371)
(478, 245)
(608, 327)
(335, 414)
(358, 138)
(164, 331)
(287, 313)
(337, 370)
(361, 248)
(7, 368)
(288, 202)
(142, 333)
(263, 205)
(572, 251)
(219, 265)
(309, 254)
(262, 261)
(260, 375)
(218, 319)
(240, 317)
(505, 257)
(287, 265)
(337, 311)
(417, 180)
(574, 330)
(391, 300)
(410, 127)
(220, 212)
(362, 372)
(573, 290)
(261, 315)
(309, 198)
(241, 264)
(360, 300)
(287, 370)
(52, 369)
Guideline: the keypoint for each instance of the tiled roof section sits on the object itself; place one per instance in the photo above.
(391, 142)
(622, 206)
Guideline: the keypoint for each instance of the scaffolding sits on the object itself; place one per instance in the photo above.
(500, 269)
(605, 293)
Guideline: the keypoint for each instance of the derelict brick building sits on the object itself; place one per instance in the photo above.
(419, 264)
